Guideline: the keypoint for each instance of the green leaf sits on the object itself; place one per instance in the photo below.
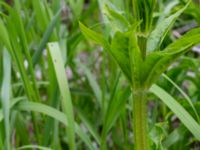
(17, 45)
(118, 49)
(157, 134)
(33, 147)
(41, 15)
(76, 7)
(89, 125)
(93, 83)
(168, 7)
(12, 103)
(135, 60)
(4, 37)
(157, 36)
(6, 95)
(179, 111)
(116, 20)
(120, 52)
(24, 44)
(187, 41)
(143, 10)
(115, 107)
(94, 36)
(66, 102)
(47, 34)
(157, 62)
(184, 95)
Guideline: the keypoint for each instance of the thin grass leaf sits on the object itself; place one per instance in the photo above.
(93, 83)
(4, 36)
(20, 125)
(54, 113)
(47, 34)
(41, 15)
(89, 126)
(13, 102)
(66, 102)
(23, 41)
(115, 107)
(184, 95)
(33, 147)
(6, 95)
(15, 49)
(179, 111)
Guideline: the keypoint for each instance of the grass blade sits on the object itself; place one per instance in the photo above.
(184, 95)
(52, 112)
(33, 147)
(66, 102)
(5, 95)
(89, 126)
(12, 103)
(180, 112)
(45, 38)
(93, 83)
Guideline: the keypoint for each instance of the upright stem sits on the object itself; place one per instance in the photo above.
(140, 120)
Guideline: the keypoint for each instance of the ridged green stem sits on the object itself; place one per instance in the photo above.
(140, 120)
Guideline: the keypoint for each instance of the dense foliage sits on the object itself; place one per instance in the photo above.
(99, 74)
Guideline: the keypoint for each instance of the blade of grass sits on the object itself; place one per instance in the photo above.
(184, 95)
(46, 37)
(15, 47)
(54, 113)
(66, 102)
(23, 37)
(49, 126)
(40, 14)
(12, 103)
(180, 112)
(93, 83)
(33, 147)
(20, 128)
(5, 95)
(89, 126)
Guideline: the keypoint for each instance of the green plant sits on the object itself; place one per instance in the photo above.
(136, 47)
(66, 95)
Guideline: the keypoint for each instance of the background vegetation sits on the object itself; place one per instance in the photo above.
(60, 91)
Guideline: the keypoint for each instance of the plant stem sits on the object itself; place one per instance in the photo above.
(140, 120)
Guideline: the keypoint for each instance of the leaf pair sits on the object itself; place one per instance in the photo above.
(157, 62)
(125, 51)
